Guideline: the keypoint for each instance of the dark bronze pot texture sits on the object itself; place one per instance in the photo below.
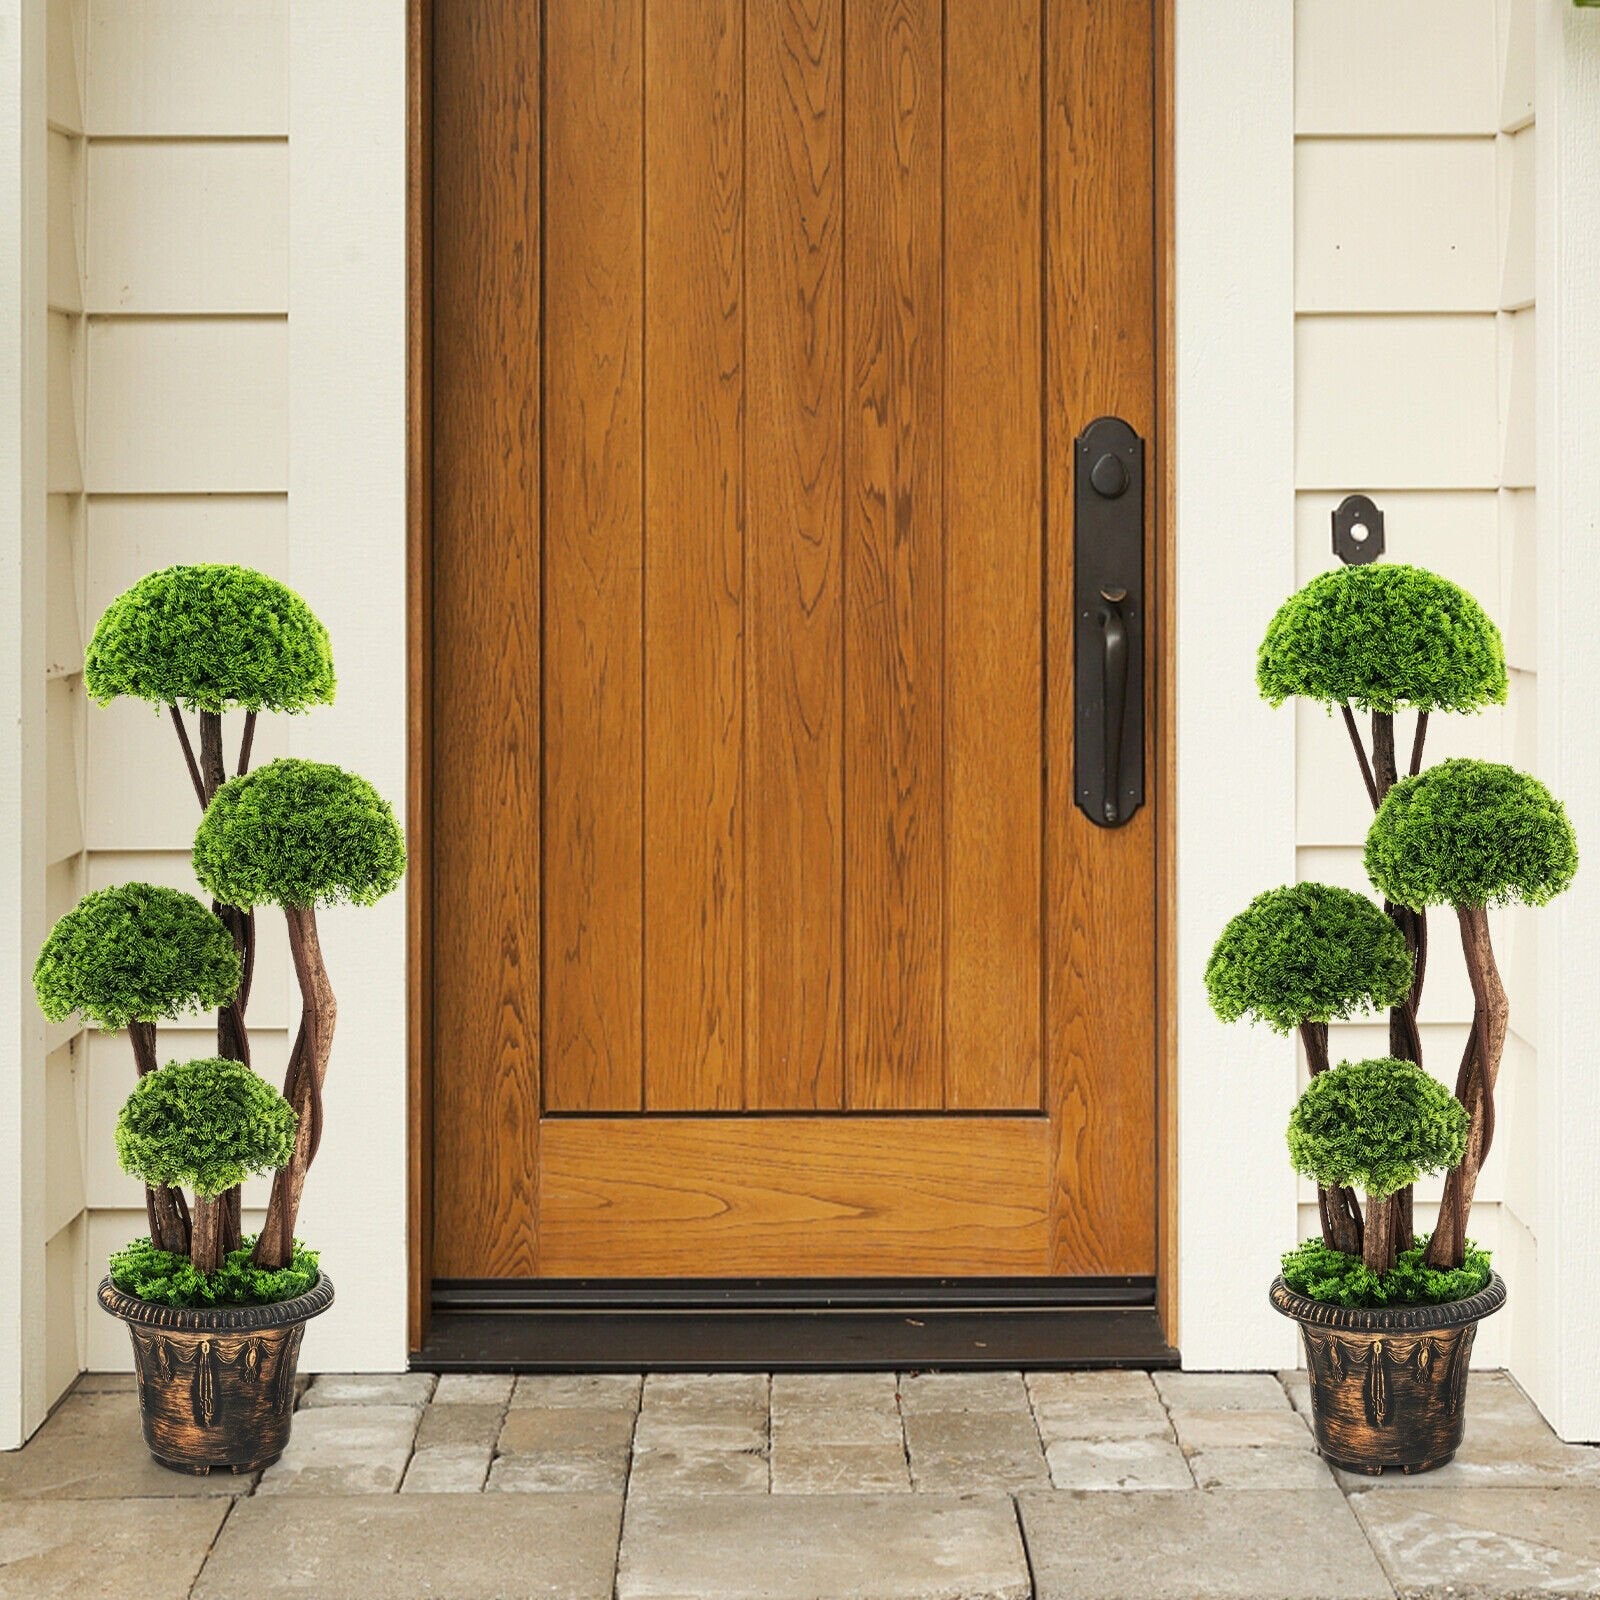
(1388, 1385)
(216, 1385)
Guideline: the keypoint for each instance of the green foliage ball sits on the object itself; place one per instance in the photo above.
(150, 1273)
(1323, 1273)
(209, 637)
(298, 833)
(1375, 1125)
(135, 953)
(1470, 833)
(1379, 637)
(205, 1124)
(1308, 952)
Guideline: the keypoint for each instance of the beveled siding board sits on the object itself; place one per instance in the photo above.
(1522, 722)
(1396, 403)
(1395, 225)
(273, 1000)
(1518, 612)
(1518, 355)
(185, 227)
(1515, 159)
(65, 1307)
(1518, 52)
(64, 60)
(165, 68)
(180, 405)
(1453, 532)
(64, 202)
(130, 535)
(1515, 1152)
(63, 631)
(64, 416)
(137, 795)
(1369, 67)
(63, 782)
(63, 1137)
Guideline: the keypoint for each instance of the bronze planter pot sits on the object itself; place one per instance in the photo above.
(216, 1384)
(1388, 1385)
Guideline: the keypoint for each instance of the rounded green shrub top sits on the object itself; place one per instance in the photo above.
(205, 1124)
(1380, 637)
(135, 953)
(1470, 833)
(298, 833)
(210, 637)
(1375, 1125)
(1308, 952)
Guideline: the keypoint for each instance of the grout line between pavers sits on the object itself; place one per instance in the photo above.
(627, 1487)
(205, 1560)
(1177, 1438)
(1022, 1535)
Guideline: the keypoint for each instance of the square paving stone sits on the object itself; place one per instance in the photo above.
(473, 1425)
(1210, 1430)
(962, 1391)
(474, 1389)
(344, 1450)
(961, 1452)
(445, 1547)
(78, 1549)
(105, 1383)
(673, 1454)
(810, 1468)
(707, 1394)
(1242, 1544)
(447, 1469)
(369, 1389)
(1259, 1467)
(838, 1426)
(614, 1391)
(1486, 1542)
(843, 1547)
(1111, 1464)
(564, 1449)
(1097, 1405)
(1221, 1391)
(833, 1391)
(92, 1448)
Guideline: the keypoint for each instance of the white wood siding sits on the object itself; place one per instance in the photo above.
(1415, 356)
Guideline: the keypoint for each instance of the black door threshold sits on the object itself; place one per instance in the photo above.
(794, 1340)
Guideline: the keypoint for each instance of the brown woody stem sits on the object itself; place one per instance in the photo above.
(1338, 1208)
(1382, 1242)
(246, 739)
(1417, 744)
(1361, 754)
(206, 1250)
(1480, 1067)
(188, 755)
(164, 1207)
(308, 1068)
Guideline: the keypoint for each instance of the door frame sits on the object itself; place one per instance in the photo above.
(419, 551)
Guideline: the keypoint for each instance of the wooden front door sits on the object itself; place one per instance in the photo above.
(767, 937)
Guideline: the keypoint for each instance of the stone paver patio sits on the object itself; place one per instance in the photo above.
(922, 1486)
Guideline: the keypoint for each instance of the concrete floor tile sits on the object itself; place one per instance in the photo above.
(344, 1450)
(1097, 1405)
(707, 1393)
(557, 1474)
(92, 1448)
(105, 1383)
(76, 1549)
(833, 1391)
(613, 1391)
(459, 1425)
(838, 1426)
(444, 1547)
(369, 1389)
(1474, 1542)
(1113, 1464)
(1199, 1545)
(1221, 1391)
(953, 1452)
(673, 1453)
(844, 1547)
(1213, 1430)
(474, 1389)
(447, 1469)
(1259, 1467)
(962, 1391)
(1297, 1385)
(566, 1448)
(839, 1468)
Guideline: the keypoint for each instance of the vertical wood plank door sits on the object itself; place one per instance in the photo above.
(768, 939)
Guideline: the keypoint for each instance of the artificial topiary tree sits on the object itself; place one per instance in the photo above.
(1299, 958)
(1378, 639)
(1470, 835)
(208, 1124)
(299, 834)
(130, 957)
(209, 639)
(1378, 1126)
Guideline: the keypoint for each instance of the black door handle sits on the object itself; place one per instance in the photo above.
(1109, 609)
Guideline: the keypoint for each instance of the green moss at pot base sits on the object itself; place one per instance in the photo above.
(166, 1279)
(1314, 1270)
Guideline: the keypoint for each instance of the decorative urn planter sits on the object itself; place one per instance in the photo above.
(1388, 1384)
(216, 1384)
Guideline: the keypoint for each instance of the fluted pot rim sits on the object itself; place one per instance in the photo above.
(217, 1319)
(1388, 1319)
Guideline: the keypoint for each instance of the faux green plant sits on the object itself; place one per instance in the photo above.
(299, 834)
(208, 1125)
(130, 957)
(1470, 835)
(1301, 957)
(210, 639)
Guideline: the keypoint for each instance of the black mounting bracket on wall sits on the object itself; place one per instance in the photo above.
(1109, 612)
(1357, 530)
